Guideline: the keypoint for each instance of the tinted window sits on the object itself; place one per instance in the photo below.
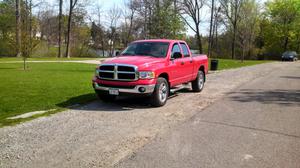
(185, 50)
(175, 49)
(154, 49)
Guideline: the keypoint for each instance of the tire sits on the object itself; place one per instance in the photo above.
(198, 83)
(105, 96)
(161, 93)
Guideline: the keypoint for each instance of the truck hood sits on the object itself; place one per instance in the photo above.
(142, 62)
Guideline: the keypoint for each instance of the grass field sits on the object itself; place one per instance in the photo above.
(45, 86)
(5, 59)
(230, 64)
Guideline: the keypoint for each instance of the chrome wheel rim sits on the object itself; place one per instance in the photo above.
(201, 80)
(163, 92)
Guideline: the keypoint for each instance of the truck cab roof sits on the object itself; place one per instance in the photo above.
(160, 40)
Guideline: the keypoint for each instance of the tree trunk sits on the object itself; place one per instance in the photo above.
(286, 43)
(59, 28)
(211, 28)
(243, 54)
(233, 42)
(18, 28)
(298, 46)
(30, 27)
(199, 40)
(69, 29)
(130, 29)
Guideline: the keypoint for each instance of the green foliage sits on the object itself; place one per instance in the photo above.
(165, 21)
(43, 86)
(282, 26)
(7, 28)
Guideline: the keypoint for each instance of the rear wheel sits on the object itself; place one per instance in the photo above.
(161, 93)
(198, 83)
(105, 96)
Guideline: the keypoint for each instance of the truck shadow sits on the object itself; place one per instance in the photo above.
(291, 77)
(280, 97)
(90, 102)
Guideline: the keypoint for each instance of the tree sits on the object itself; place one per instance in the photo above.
(211, 27)
(60, 22)
(192, 9)
(284, 15)
(128, 19)
(18, 28)
(98, 31)
(231, 10)
(114, 16)
(248, 26)
(7, 28)
(72, 6)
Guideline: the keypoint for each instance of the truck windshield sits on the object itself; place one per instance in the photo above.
(154, 49)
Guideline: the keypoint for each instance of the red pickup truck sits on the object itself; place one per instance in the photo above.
(152, 68)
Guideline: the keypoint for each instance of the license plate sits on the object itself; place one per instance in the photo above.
(113, 91)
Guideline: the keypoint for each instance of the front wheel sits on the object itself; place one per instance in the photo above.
(161, 93)
(198, 83)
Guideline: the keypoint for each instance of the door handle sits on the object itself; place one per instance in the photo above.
(191, 61)
(182, 63)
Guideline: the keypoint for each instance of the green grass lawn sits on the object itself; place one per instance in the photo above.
(43, 86)
(5, 59)
(47, 86)
(229, 64)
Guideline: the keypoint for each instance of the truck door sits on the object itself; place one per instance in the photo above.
(177, 67)
(188, 66)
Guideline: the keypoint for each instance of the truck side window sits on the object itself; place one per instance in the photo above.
(175, 49)
(185, 50)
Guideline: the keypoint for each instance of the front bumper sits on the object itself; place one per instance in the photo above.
(138, 89)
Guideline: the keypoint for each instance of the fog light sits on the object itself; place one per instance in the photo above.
(142, 89)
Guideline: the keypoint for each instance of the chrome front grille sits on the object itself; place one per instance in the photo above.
(118, 72)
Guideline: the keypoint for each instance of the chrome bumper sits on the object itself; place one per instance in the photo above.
(135, 90)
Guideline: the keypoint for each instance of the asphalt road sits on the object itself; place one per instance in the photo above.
(256, 125)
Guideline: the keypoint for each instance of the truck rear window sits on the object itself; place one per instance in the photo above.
(154, 49)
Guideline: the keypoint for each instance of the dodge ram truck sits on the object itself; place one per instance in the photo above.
(151, 68)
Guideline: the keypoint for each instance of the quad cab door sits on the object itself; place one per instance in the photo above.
(188, 64)
(177, 67)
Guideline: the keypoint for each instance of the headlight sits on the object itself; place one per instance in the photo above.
(291, 56)
(146, 75)
(96, 72)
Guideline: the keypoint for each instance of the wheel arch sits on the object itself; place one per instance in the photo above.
(164, 75)
(202, 68)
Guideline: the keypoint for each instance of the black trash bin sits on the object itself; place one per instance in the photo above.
(214, 65)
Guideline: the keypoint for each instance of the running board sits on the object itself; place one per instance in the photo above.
(179, 87)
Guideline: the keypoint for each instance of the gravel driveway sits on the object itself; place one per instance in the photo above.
(101, 134)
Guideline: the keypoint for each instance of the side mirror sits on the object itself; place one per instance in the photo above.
(117, 53)
(176, 55)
